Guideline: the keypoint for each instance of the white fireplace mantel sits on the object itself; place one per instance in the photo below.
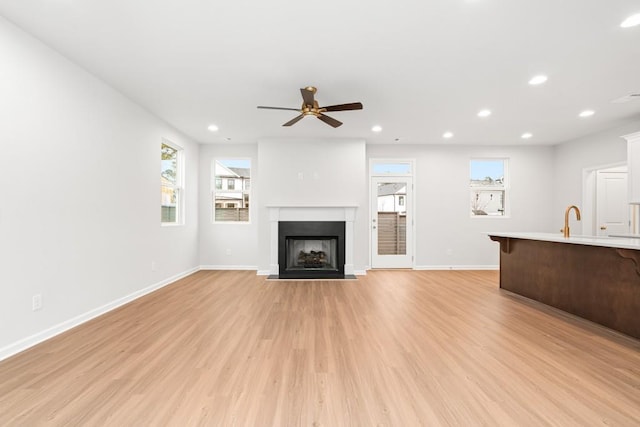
(298, 212)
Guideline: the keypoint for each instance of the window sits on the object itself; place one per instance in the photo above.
(171, 184)
(488, 186)
(231, 204)
(391, 168)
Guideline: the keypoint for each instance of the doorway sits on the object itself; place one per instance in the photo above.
(612, 205)
(391, 222)
(605, 199)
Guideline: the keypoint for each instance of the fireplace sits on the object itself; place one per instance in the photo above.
(311, 249)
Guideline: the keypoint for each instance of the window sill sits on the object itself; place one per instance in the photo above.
(231, 222)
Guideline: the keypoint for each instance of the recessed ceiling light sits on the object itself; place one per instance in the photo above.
(538, 80)
(587, 113)
(377, 128)
(447, 135)
(631, 21)
(213, 128)
(526, 135)
(484, 113)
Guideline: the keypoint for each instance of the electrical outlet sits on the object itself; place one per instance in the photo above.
(154, 266)
(228, 251)
(36, 302)
(449, 251)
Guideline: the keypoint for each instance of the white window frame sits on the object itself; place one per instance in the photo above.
(505, 187)
(242, 190)
(178, 187)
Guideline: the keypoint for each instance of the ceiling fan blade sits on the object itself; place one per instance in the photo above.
(344, 107)
(330, 120)
(294, 121)
(307, 95)
(279, 108)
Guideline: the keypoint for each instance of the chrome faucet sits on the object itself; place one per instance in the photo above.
(565, 230)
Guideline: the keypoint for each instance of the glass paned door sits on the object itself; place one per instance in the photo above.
(391, 222)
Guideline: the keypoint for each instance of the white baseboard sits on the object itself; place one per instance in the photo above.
(268, 272)
(363, 272)
(456, 267)
(25, 343)
(228, 267)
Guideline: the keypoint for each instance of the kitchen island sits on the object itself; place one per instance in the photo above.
(596, 278)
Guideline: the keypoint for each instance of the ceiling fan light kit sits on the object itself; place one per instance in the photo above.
(310, 107)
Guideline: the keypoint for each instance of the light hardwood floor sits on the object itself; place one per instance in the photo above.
(394, 348)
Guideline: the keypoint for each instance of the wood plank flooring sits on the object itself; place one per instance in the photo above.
(393, 348)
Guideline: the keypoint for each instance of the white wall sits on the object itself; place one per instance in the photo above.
(573, 157)
(307, 172)
(80, 200)
(544, 180)
(446, 235)
(230, 245)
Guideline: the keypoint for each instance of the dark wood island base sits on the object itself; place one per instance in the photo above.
(598, 283)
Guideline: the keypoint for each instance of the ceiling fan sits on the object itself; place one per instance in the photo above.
(310, 108)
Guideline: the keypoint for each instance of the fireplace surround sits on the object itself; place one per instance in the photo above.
(311, 212)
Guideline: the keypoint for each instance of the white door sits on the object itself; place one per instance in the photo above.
(391, 222)
(612, 208)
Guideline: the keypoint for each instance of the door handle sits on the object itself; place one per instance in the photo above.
(603, 227)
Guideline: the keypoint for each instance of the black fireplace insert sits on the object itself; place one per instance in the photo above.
(311, 249)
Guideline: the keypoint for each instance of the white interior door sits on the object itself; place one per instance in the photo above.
(391, 222)
(612, 208)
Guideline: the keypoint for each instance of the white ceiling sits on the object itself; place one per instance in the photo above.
(420, 67)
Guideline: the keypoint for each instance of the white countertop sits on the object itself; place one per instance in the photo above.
(611, 242)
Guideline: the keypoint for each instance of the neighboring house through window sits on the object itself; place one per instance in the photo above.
(171, 183)
(391, 197)
(231, 203)
(488, 184)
